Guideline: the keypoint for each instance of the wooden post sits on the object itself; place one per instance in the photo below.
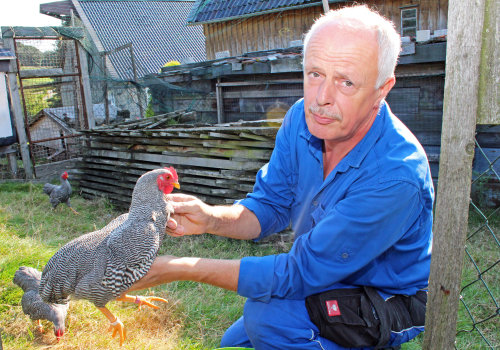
(455, 170)
(17, 110)
(489, 88)
(134, 70)
(85, 81)
(326, 6)
(220, 102)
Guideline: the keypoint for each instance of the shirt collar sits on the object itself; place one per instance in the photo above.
(359, 152)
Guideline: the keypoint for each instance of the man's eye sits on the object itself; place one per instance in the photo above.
(314, 74)
(348, 83)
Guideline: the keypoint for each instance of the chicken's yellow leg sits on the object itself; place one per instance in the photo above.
(116, 325)
(39, 326)
(140, 300)
(74, 211)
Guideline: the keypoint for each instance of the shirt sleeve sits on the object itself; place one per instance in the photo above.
(272, 195)
(356, 231)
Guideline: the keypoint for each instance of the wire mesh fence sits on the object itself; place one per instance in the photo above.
(479, 313)
(51, 96)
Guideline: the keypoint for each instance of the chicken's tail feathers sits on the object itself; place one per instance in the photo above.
(28, 278)
(48, 188)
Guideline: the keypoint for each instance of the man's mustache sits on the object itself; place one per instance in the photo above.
(324, 112)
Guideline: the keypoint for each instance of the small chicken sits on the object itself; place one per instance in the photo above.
(59, 193)
(100, 266)
(28, 279)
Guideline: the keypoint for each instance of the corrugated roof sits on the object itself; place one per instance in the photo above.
(156, 29)
(58, 9)
(223, 10)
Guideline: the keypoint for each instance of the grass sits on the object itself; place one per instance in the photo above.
(31, 232)
(197, 314)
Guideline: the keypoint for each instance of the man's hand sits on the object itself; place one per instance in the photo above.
(194, 217)
(191, 216)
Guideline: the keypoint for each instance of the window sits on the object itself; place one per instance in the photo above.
(409, 22)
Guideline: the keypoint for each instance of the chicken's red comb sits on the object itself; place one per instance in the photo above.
(174, 173)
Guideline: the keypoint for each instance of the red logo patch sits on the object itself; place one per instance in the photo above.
(333, 308)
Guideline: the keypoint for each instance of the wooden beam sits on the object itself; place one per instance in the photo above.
(489, 87)
(463, 57)
(85, 81)
(220, 102)
(17, 110)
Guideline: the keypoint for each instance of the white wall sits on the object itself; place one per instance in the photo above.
(5, 123)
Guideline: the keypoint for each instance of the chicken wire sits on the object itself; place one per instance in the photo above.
(479, 311)
(116, 95)
(259, 100)
(51, 96)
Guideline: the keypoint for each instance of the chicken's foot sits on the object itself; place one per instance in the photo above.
(116, 325)
(39, 326)
(141, 300)
(74, 211)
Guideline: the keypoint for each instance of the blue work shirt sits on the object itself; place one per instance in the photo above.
(368, 223)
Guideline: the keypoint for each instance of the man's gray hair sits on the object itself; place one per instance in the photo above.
(389, 41)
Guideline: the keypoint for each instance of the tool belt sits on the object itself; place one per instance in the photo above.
(360, 317)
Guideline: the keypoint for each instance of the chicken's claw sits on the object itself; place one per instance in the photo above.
(118, 328)
(140, 300)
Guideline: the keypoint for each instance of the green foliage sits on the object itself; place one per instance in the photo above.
(149, 109)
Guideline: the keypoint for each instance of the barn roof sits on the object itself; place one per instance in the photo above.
(205, 11)
(156, 29)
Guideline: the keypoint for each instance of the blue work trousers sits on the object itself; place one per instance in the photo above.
(284, 324)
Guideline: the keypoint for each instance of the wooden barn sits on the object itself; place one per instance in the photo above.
(234, 27)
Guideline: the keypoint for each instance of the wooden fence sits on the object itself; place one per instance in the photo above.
(217, 163)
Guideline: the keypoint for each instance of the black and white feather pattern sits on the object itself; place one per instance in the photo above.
(101, 265)
(58, 193)
(28, 279)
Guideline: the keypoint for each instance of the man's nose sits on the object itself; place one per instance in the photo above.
(326, 93)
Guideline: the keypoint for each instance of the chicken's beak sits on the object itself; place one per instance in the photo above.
(176, 185)
(58, 333)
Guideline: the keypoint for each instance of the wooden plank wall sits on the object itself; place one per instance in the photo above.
(216, 163)
(258, 33)
(276, 30)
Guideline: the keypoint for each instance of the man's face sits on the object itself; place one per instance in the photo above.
(340, 74)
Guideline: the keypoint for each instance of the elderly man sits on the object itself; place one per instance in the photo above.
(355, 185)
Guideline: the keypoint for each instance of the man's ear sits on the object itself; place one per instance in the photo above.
(384, 89)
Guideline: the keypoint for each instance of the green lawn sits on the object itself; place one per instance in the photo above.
(197, 314)
(31, 232)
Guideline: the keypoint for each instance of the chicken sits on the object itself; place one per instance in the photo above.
(59, 193)
(100, 266)
(28, 279)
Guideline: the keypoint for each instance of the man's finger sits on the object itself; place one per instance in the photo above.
(171, 224)
(180, 197)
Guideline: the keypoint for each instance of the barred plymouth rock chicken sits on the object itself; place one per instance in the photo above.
(100, 266)
(59, 193)
(28, 279)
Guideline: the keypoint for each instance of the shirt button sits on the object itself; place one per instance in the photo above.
(345, 256)
(315, 203)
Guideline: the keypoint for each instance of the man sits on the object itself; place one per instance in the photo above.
(356, 186)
